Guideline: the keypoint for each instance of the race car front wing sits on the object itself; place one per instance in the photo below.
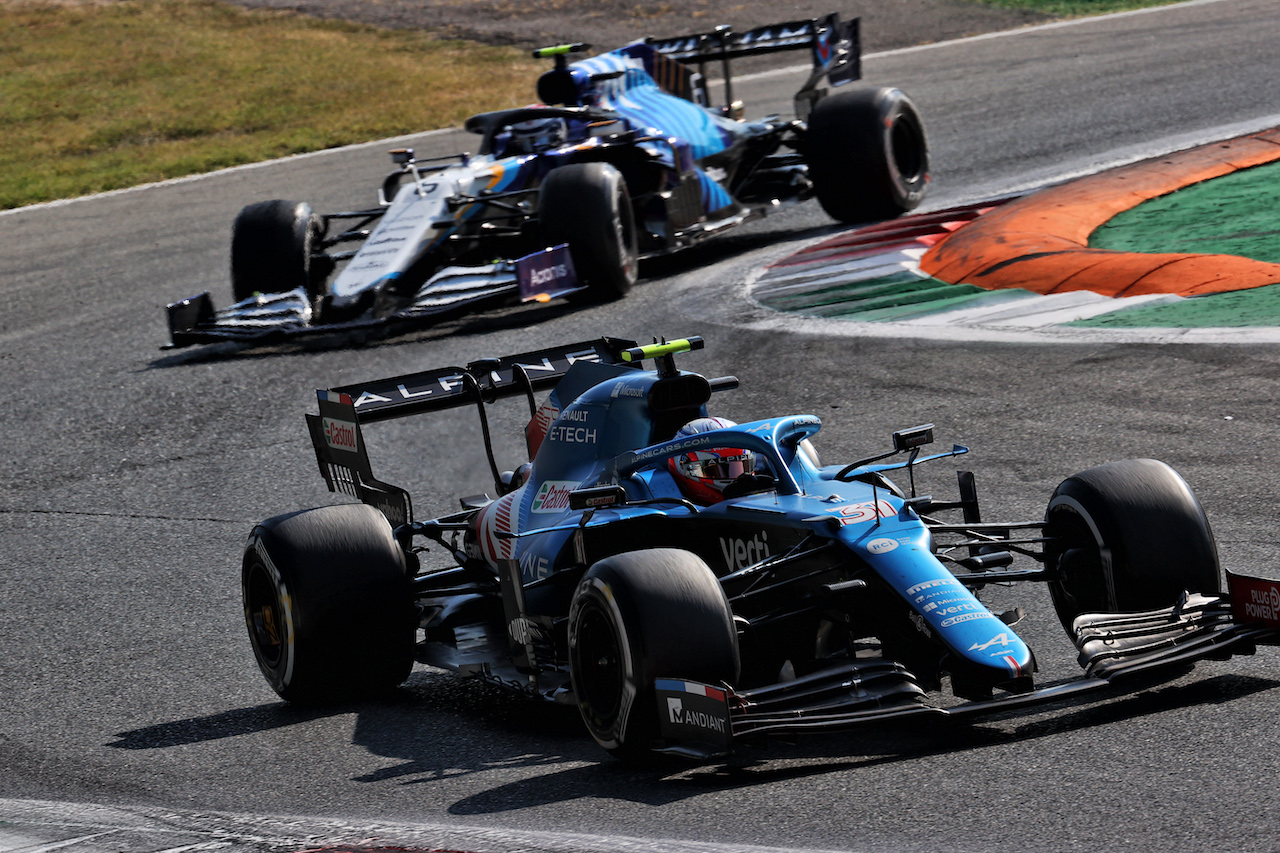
(537, 277)
(701, 721)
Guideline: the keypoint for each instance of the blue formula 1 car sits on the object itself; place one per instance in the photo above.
(692, 584)
(626, 158)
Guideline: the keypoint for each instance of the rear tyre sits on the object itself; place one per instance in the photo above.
(327, 604)
(867, 154)
(272, 243)
(1125, 537)
(636, 617)
(587, 206)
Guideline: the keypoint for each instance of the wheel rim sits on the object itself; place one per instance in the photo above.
(906, 145)
(1081, 581)
(598, 663)
(264, 615)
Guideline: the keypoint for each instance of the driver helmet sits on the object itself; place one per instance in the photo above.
(537, 134)
(702, 475)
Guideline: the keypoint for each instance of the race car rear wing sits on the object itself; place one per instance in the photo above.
(449, 387)
(336, 431)
(835, 45)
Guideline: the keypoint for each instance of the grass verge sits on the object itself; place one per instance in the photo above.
(1077, 8)
(101, 96)
(98, 95)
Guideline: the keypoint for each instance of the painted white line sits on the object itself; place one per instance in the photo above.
(1025, 182)
(1045, 311)
(393, 141)
(63, 844)
(146, 829)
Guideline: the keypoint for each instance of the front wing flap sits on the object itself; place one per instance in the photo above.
(537, 277)
(1113, 647)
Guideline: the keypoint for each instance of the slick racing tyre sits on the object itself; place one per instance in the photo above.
(272, 248)
(867, 155)
(587, 206)
(327, 604)
(1125, 537)
(640, 616)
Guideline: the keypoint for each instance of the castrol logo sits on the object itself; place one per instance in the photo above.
(340, 435)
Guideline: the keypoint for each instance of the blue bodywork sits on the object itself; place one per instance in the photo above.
(844, 598)
(608, 425)
(604, 435)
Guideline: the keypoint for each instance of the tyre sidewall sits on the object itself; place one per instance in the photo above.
(867, 154)
(278, 669)
(669, 618)
(345, 605)
(1146, 533)
(607, 725)
(271, 247)
(587, 206)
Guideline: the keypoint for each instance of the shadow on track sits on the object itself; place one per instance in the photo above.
(514, 317)
(439, 726)
(898, 743)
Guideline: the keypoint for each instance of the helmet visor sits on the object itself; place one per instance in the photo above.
(730, 466)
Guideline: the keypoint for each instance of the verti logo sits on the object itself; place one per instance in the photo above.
(740, 553)
(340, 435)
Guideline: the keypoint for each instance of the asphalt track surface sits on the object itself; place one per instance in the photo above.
(134, 716)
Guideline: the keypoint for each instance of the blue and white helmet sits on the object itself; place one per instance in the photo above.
(537, 134)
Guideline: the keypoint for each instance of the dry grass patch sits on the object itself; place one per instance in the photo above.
(96, 96)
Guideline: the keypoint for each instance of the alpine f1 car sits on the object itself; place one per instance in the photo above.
(691, 584)
(625, 158)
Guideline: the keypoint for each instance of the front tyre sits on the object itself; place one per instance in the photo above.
(867, 154)
(327, 604)
(587, 206)
(636, 617)
(272, 248)
(1125, 537)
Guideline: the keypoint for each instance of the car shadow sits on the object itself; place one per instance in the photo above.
(736, 244)
(376, 337)
(439, 726)
(816, 756)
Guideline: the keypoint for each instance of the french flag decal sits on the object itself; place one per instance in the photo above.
(689, 687)
(334, 397)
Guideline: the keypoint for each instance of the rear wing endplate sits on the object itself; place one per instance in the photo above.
(344, 461)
